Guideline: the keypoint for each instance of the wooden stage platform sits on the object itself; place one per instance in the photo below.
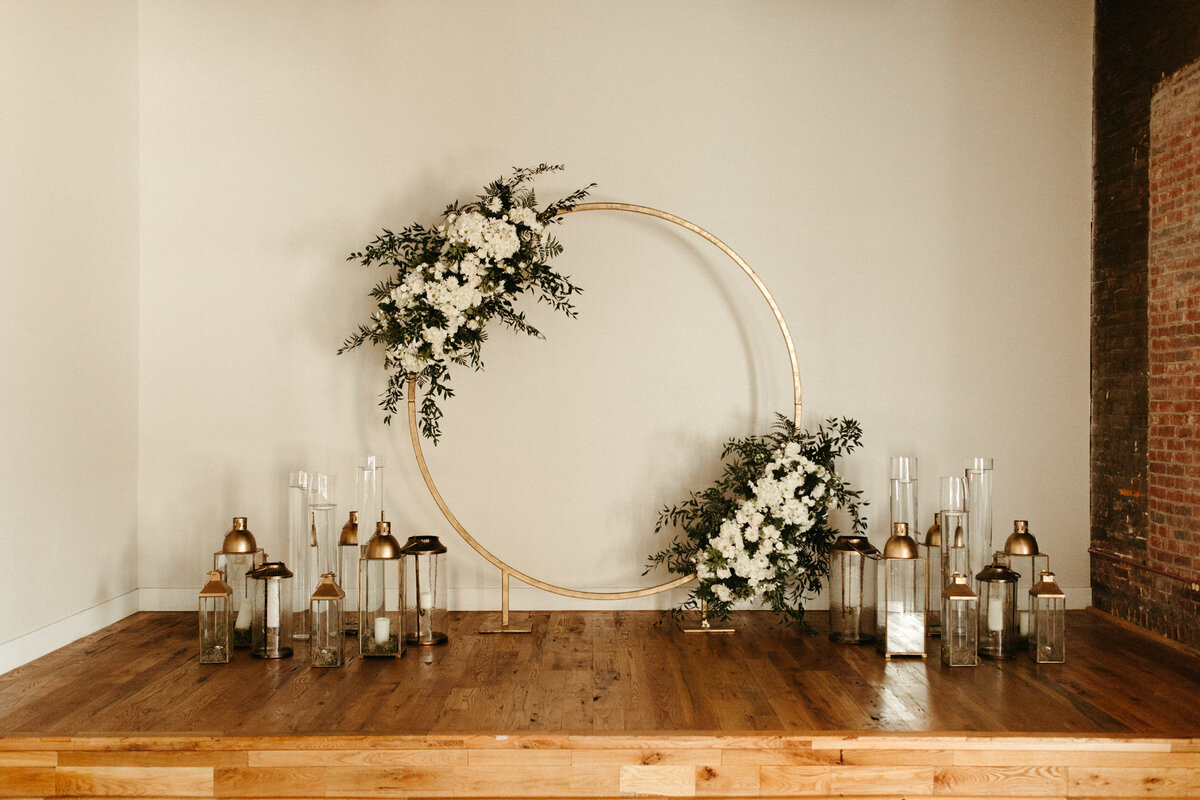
(602, 704)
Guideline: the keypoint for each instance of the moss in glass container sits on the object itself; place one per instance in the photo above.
(214, 654)
(241, 637)
(368, 646)
(326, 658)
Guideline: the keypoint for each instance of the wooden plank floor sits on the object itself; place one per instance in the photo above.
(610, 672)
(602, 704)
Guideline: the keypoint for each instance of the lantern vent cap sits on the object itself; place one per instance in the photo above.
(423, 546)
(216, 587)
(270, 569)
(855, 543)
(328, 589)
(1048, 587)
(998, 572)
(900, 544)
(1021, 542)
(959, 589)
(239, 539)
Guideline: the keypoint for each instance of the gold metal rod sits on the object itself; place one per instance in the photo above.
(504, 598)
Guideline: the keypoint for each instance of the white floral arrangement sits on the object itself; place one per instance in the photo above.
(762, 532)
(450, 280)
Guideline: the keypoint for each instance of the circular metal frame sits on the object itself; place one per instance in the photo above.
(505, 569)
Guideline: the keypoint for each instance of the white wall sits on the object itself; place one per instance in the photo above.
(911, 180)
(68, 321)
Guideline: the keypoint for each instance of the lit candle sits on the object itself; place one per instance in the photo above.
(243, 618)
(383, 630)
(995, 615)
(272, 604)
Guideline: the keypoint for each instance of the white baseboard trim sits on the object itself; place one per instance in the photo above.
(49, 638)
(166, 599)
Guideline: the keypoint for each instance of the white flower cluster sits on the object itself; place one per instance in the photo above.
(456, 287)
(753, 546)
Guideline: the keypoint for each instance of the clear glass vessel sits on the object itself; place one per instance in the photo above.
(368, 490)
(238, 555)
(903, 492)
(852, 577)
(326, 645)
(903, 596)
(1028, 562)
(271, 586)
(1048, 610)
(216, 599)
(997, 590)
(931, 552)
(979, 512)
(954, 551)
(302, 548)
(425, 593)
(381, 595)
(960, 637)
(349, 553)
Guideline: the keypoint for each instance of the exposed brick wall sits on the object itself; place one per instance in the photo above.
(1139, 43)
(1174, 385)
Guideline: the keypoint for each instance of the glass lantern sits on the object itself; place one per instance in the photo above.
(425, 595)
(979, 512)
(903, 597)
(368, 489)
(215, 600)
(931, 553)
(271, 588)
(1028, 562)
(238, 555)
(953, 535)
(852, 575)
(960, 635)
(381, 595)
(997, 609)
(903, 491)
(349, 552)
(1048, 614)
(326, 644)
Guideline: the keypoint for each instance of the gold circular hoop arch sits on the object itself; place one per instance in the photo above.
(507, 571)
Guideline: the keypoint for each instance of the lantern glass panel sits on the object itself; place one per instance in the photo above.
(931, 554)
(960, 634)
(904, 607)
(272, 625)
(1028, 568)
(425, 604)
(979, 511)
(234, 568)
(380, 618)
(852, 577)
(215, 645)
(997, 611)
(302, 547)
(1050, 634)
(349, 553)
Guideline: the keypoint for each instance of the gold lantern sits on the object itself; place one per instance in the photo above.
(326, 643)
(960, 631)
(852, 571)
(349, 552)
(931, 552)
(1028, 562)
(1048, 615)
(239, 554)
(215, 600)
(381, 595)
(902, 600)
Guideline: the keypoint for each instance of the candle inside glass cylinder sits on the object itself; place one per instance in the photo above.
(1023, 623)
(272, 604)
(243, 618)
(995, 614)
(383, 630)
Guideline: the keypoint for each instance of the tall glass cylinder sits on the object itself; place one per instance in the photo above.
(903, 491)
(979, 512)
(954, 551)
(852, 575)
(931, 552)
(368, 491)
(322, 513)
(349, 552)
(301, 548)
(904, 595)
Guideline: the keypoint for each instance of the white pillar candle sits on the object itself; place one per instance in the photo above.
(383, 630)
(995, 614)
(243, 618)
(272, 604)
(426, 601)
(1023, 623)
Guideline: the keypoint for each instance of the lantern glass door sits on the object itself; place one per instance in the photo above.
(1048, 611)
(997, 590)
(931, 553)
(960, 634)
(852, 577)
(904, 607)
(380, 621)
(216, 646)
(327, 643)
(425, 614)
(349, 553)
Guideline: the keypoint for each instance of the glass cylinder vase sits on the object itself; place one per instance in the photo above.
(931, 553)
(852, 576)
(903, 596)
(349, 553)
(979, 513)
(953, 522)
(301, 548)
(425, 591)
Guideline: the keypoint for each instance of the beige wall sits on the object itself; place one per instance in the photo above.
(911, 180)
(68, 321)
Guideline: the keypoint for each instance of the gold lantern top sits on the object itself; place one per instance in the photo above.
(1048, 587)
(328, 589)
(900, 544)
(270, 569)
(959, 589)
(855, 543)
(997, 572)
(217, 587)
(349, 536)
(239, 539)
(423, 546)
(933, 536)
(1021, 542)
(382, 544)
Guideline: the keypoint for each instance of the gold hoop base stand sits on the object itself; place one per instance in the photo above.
(506, 571)
(704, 626)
